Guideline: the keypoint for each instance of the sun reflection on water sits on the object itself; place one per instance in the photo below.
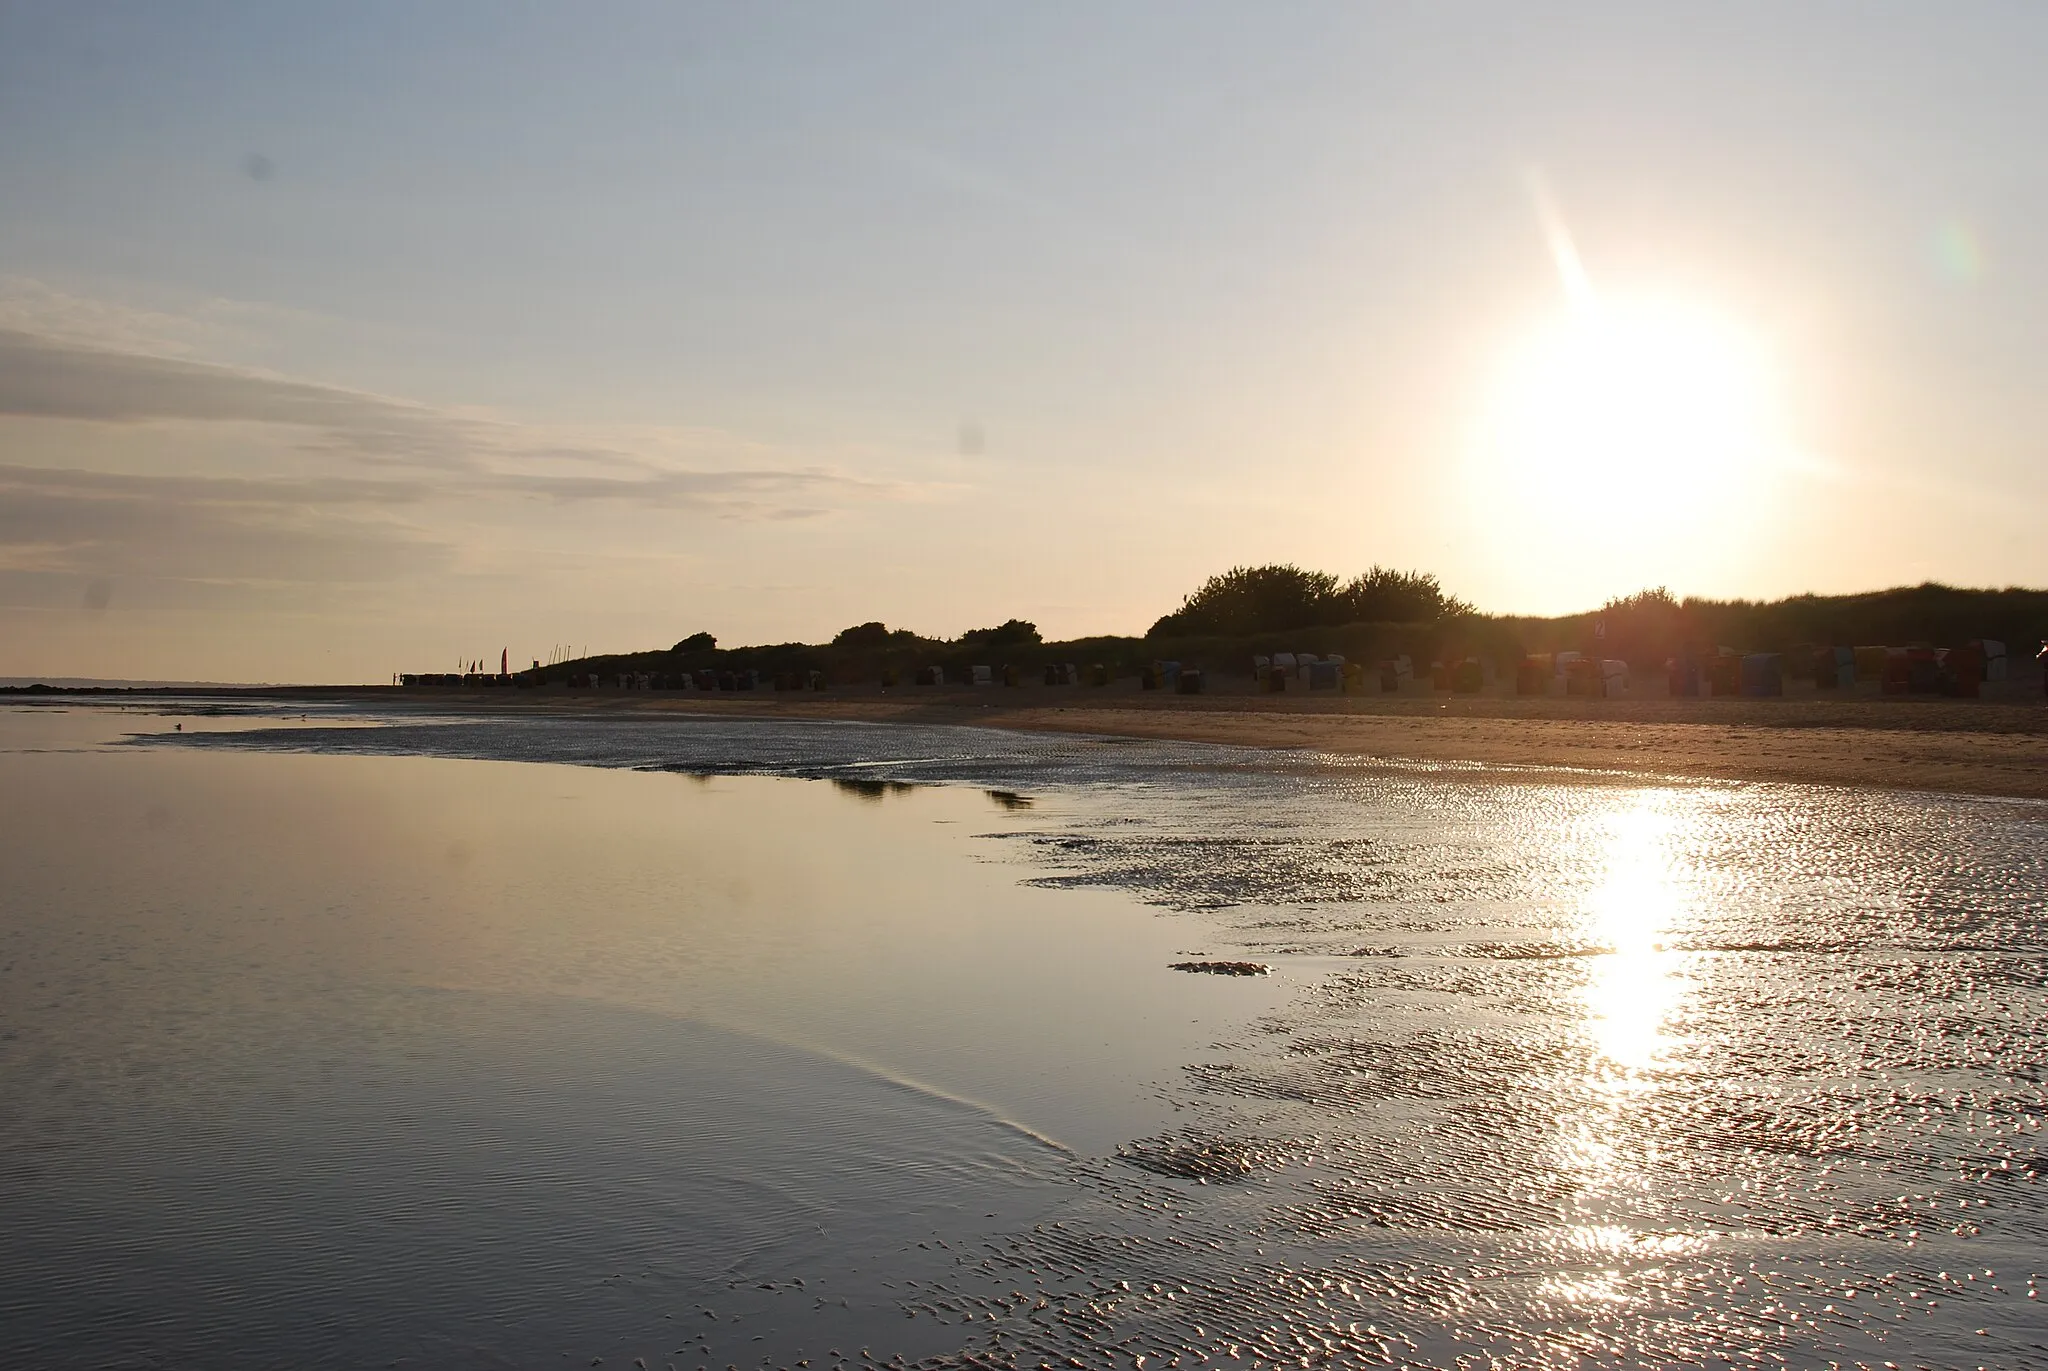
(1636, 907)
(1634, 985)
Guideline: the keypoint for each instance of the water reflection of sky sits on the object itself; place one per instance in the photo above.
(313, 1029)
(1685, 1074)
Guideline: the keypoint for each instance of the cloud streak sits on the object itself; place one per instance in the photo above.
(319, 529)
(708, 491)
(217, 491)
(431, 453)
(260, 491)
(67, 532)
(46, 378)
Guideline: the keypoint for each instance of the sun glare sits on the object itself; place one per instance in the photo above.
(1648, 427)
(1636, 906)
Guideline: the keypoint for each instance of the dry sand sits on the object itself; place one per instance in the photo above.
(1993, 746)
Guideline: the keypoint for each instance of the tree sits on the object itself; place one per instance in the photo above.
(1253, 600)
(1385, 596)
(1646, 627)
(872, 634)
(1656, 600)
(1012, 632)
(696, 642)
(1272, 599)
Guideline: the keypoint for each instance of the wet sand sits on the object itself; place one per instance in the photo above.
(1544, 1074)
(438, 1039)
(1996, 746)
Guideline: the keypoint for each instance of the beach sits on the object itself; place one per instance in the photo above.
(600, 1029)
(1995, 746)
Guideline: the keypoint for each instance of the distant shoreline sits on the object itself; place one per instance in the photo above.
(1989, 747)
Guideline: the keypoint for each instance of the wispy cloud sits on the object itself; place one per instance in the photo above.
(38, 307)
(243, 491)
(100, 532)
(428, 453)
(319, 528)
(760, 492)
(240, 489)
(765, 492)
(49, 378)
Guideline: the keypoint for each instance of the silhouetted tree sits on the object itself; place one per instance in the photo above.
(696, 642)
(1009, 633)
(1267, 599)
(1385, 596)
(868, 635)
(1247, 599)
(1645, 628)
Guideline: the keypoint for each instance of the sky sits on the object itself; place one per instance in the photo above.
(345, 339)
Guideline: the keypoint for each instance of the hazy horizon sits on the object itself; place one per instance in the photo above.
(335, 342)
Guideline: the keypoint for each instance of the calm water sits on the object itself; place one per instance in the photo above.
(454, 1042)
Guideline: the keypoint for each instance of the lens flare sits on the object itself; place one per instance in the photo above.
(1958, 252)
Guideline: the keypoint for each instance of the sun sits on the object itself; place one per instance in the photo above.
(1648, 427)
(1633, 410)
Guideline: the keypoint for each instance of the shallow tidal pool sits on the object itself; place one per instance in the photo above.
(448, 1041)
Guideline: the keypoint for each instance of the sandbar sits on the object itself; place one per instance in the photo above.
(1992, 747)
